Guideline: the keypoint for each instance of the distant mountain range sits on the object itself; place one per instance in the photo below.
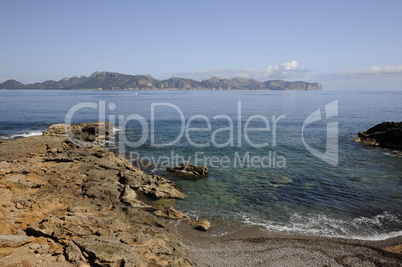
(117, 81)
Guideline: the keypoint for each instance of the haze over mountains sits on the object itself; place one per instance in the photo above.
(117, 81)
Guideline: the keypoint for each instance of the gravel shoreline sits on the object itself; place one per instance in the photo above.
(252, 246)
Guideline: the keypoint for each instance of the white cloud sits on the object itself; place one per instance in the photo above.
(373, 72)
(281, 71)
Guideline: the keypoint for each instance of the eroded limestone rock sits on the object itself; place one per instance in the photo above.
(82, 201)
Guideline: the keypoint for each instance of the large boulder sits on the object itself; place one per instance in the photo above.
(189, 170)
(386, 134)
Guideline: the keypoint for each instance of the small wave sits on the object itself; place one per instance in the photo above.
(21, 135)
(394, 154)
(380, 227)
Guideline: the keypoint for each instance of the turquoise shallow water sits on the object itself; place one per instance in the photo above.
(280, 187)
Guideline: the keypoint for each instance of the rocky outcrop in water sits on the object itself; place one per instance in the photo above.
(189, 170)
(62, 204)
(386, 134)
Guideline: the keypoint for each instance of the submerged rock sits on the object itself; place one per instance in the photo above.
(164, 203)
(386, 134)
(189, 170)
(277, 181)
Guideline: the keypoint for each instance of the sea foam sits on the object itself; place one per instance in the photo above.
(21, 135)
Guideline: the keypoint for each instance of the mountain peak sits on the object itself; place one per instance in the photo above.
(214, 79)
(96, 73)
(12, 84)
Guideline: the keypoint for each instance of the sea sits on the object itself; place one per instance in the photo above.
(284, 161)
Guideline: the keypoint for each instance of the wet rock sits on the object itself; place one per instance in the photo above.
(277, 181)
(164, 203)
(386, 134)
(189, 170)
(202, 225)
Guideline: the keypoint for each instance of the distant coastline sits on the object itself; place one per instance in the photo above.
(117, 81)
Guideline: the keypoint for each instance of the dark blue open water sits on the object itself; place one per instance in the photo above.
(281, 186)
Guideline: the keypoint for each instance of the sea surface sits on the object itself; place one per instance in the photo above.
(265, 168)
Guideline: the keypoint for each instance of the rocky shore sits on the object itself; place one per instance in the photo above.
(62, 204)
(65, 201)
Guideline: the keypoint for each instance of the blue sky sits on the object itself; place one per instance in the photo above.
(342, 44)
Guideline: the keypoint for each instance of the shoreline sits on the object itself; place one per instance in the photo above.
(34, 162)
(252, 246)
(184, 231)
(237, 230)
